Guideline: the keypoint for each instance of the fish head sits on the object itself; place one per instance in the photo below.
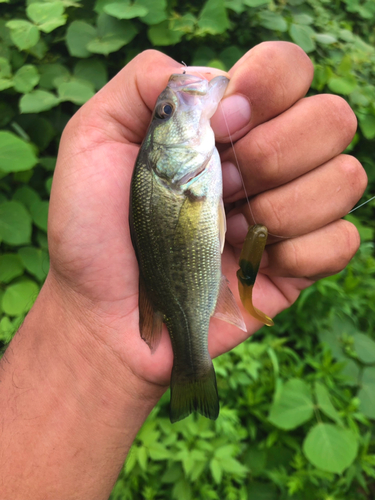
(183, 110)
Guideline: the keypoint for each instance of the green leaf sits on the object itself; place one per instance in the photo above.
(182, 490)
(330, 448)
(157, 451)
(213, 18)
(161, 35)
(342, 84)
(364, 346)
(19, 298)
(156, 11)
(47, 15)
(303, 19)
(125, 10)
(350, 372)
(112, 35)
(233, 466)
(325, 404)
(48, 162)
(262, 491)
(367, 126)
(78, 35)
(48, 185)
(293, 405)
(231, 55)
(255, 3)
(23, 34)
(40, 49)
(172, 474)
(37, 101)
(235, 5)
(76, 91)
(93, 71)
(303, 36)
(5, 68)
(6, 327)
(6, 83)
(216, 470)
(142, 457)
(325, 38)
(5, 74)
(26, 195)
(10, 267)
(26, 78)
(366, 394)
(184, 23)
(15, 223)
(272, 21)
(51, 75)
(6, 113)
(38, 128)
(39, 214)
(15, 154)
(35, 260)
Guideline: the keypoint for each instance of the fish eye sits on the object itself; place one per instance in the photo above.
(165, 110)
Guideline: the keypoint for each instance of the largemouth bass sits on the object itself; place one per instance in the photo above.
(177, 223)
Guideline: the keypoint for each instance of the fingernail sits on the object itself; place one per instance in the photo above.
(232, 183)
(237, 227)
(232, 115)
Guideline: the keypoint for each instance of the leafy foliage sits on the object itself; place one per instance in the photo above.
(298, 400)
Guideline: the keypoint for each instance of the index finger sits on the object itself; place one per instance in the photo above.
(269, 78)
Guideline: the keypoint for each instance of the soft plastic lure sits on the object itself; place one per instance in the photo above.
(250, 258)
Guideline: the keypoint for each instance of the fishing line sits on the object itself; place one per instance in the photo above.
(361, 205)
(241, 176)
(244, 187)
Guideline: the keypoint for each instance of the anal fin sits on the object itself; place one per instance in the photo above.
(227, 308)
(150, 321)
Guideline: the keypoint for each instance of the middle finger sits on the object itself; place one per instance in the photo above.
(305, 136)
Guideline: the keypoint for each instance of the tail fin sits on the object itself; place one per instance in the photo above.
(194, 394)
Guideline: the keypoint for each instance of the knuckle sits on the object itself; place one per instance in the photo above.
(267, 212)
(294, 263)
(266, 157)
(354, 173)
(342, 114)
(349, 236)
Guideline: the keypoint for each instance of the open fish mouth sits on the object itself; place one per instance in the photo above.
(190, 84)
(191, 88)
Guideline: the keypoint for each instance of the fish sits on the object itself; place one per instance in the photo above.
(177, 225)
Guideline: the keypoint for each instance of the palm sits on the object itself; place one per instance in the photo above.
(96, 258)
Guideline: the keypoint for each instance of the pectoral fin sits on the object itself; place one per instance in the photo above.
(227, 308)
(250, 258)
(150, 321)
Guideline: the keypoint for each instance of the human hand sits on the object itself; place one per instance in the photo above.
(289, 152)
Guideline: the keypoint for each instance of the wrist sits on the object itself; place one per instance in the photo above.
(70, 410)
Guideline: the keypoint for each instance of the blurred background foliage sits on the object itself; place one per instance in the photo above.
(298, 400)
